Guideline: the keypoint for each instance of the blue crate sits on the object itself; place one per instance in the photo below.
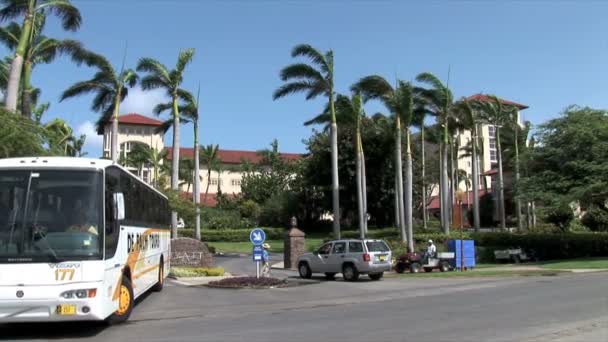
(469, 253)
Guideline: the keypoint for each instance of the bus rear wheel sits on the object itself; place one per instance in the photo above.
(125, 302)
(161, 277)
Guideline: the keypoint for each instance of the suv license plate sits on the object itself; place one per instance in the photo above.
(382, 258)
(66, 310)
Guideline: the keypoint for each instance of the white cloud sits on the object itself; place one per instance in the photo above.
(142, 102)
(93, 142)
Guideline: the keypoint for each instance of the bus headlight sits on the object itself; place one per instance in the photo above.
(85, 293)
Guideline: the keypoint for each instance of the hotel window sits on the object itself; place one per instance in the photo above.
(215, 180)
(235, 182)
(493, 155)
(492, 131)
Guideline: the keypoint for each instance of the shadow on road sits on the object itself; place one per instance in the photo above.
(57, 330)
(51, 331)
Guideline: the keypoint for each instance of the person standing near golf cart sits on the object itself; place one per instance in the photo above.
(266, 260)
(431, 251)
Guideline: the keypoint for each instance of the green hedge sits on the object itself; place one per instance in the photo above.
(232, 235)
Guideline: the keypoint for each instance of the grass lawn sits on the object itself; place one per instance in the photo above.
(594, 263)
(482, 273)
(276, 246)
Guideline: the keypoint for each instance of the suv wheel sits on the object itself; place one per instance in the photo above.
(330, 276)
(376, 276)
(415, 267)
(400, 268)
(350, 273)
(304, 270)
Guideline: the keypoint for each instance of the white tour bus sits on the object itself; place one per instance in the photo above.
(80, 239)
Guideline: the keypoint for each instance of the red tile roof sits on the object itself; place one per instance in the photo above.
(232, 156)
(469, 199)
(137, 119)
(490, 172)
(486, 98)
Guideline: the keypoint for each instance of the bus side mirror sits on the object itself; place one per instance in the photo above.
(118, 206)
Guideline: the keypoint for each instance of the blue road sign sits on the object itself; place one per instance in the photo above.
(258, 253)
(257, 236)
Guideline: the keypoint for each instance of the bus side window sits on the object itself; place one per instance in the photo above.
(112, 186)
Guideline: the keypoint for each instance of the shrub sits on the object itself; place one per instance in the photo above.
(596, 219)
(250, 210)
(246, 282)
(559, 215)
(275, 211)
(186, 272)
(213, 218)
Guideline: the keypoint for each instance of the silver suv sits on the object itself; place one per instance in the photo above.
(349, 257)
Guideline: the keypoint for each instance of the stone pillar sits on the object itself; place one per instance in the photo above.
(294, 246)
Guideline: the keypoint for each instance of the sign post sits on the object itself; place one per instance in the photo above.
(257, 238)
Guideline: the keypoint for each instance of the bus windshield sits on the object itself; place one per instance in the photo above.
(50, 215)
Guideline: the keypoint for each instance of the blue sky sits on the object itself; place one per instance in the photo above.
(545, 54)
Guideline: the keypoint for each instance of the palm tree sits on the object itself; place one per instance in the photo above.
(110, 89)
(30, 10)
(59, 135)
(316, 79)
(189, 111)
(349, 112)
(40, 50)
(420, 114)
(498, 115)
(210, 158)
(160, 77)
(471, 120)
(400, 102)
(438, 100)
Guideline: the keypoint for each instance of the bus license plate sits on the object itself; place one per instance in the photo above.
(66, 310)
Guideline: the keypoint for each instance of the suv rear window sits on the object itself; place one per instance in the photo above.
(377, 246)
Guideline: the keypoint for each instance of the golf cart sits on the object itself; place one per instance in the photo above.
(414, 262)
(515, 255)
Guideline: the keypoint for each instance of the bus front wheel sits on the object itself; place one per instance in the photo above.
(125, 302)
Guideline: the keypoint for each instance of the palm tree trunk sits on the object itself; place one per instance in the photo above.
(533, 214)
(335, 186)
(175, 163)
(197, 185)
(208, 182)
(424, 210)
(114, 134)
(475, 181)
(518, 201)
(441, 193)
(364, 186)
(14, 81)
(453, 181)
(26, 98)
(397, 222)
(408, 191)
(444, 176)
(501, 190)
(360, 187)
(399, 177)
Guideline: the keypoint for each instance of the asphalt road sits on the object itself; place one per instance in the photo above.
(556, 309)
